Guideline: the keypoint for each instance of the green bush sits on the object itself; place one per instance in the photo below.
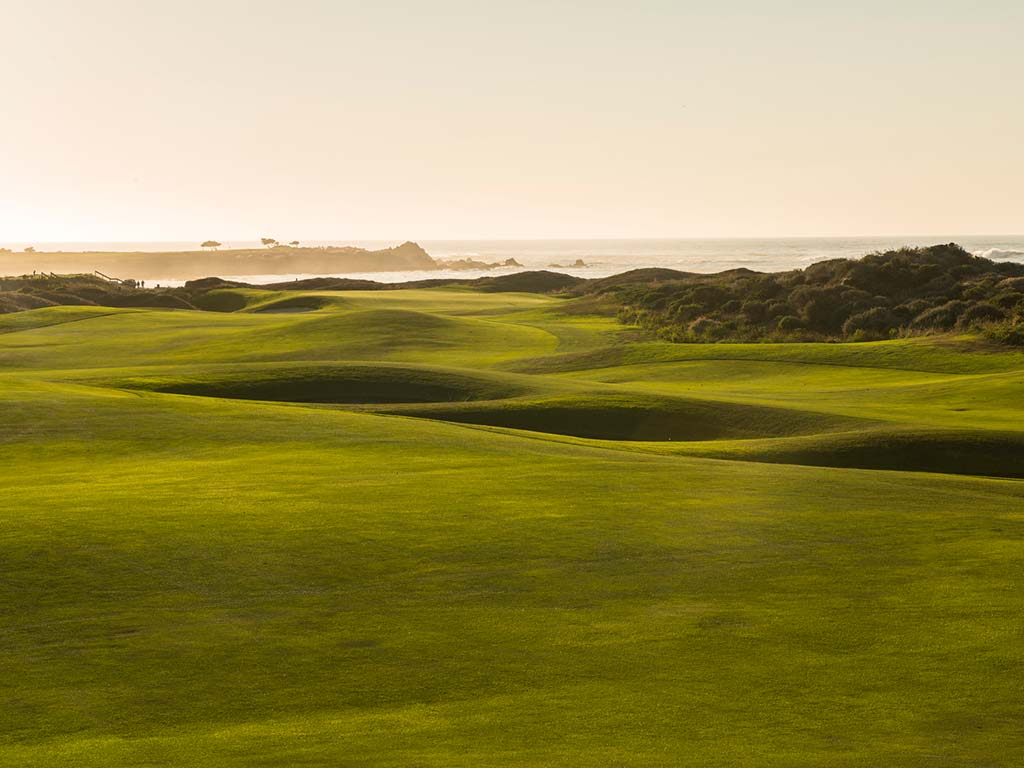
(789, 323)
(980, 314)
(707, 329)
(943, 317)
(912, 309)
(1012, 335)
(1009, 299)
(754, 311)
(876, 323)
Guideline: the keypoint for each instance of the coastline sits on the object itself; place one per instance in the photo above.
(172, 264)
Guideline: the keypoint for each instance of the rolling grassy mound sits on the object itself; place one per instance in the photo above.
(405, 330)
(293, 304)
(221, 300)
(262, 300)
(943, 354)
(660, 555)
(405, 334)
(41, 318)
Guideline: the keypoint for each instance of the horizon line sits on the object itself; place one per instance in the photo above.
(533, 239)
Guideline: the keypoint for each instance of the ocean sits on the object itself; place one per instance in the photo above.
(608, 257)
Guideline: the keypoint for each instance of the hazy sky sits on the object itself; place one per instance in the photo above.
(317, 119)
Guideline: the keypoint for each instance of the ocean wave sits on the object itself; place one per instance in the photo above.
(1000, 254)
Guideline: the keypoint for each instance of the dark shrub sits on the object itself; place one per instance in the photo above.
(826, 271)
(1012, 284)
(913, 308)
(822, 310)
(943, 286)
(980, 314)
(942, 317)
(817, 314)
(763, 287)
(711, 297)
(684, 312)
(706, 328)
(862, 300)
(1012, 335)
(1009, 299)
(754, 311)
(789, 323)
(980, 290)
(876, 322)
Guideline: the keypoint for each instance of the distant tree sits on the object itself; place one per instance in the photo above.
(294, 243)
(268, 241)
(30, 249)
(212, 244)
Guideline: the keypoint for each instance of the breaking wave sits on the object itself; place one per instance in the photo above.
(1000, 254)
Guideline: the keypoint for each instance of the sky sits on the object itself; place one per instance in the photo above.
(330, 119)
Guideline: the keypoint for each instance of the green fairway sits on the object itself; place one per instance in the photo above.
(454, 528)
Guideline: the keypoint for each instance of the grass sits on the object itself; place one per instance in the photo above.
(226, 541)
(345, 383)
(635, 417)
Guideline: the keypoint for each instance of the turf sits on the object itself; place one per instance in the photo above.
(448, 528)
(351, 383)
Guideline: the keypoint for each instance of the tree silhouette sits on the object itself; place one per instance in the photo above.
(268, 241)
(213, 244)
(30, 249)
(294, 243)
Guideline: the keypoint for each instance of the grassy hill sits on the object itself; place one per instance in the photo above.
(454, 527)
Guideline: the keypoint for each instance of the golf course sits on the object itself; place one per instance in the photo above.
(449, 527)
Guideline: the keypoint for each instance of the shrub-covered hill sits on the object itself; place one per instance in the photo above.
(883, 295)
(47, 290)
(939, 288)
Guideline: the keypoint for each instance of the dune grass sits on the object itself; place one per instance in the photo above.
(233, 538)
